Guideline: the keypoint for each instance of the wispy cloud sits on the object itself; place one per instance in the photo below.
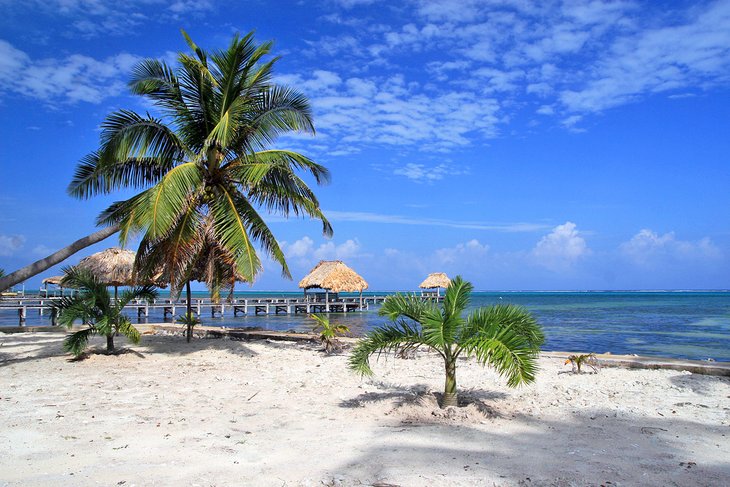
(391, 111)
(365, 217)
(74, 78)
(564, 60)
(95, 18)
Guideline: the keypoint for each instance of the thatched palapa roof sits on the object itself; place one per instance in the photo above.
(333, 275)
(55, 280)
(437, 279)
(113, 266)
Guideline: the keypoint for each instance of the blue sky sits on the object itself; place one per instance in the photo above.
(525, 145)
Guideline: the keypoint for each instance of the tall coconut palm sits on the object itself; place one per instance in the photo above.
(95, 307)
(505, 337)
(204, 160)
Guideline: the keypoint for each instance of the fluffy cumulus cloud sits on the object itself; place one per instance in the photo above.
(75, 78)
(561, 248)
(9, 244)
(305, 252)
(463, 253)
(650, 249)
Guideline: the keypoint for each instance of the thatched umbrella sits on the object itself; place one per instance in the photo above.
(436, 280)
(113, 267)
(333, 275)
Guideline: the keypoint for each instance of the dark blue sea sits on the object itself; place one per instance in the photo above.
(687, 324)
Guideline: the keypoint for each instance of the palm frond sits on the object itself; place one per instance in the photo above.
(400, 335)
(126, 328)
(167, 200)
(91, 177)
(505, 337)
(76, 342)
(126, 134)
(232, 229)
(456, 299)
(399, 305)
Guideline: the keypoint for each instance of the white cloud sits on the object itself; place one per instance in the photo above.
(648, 248)
(696, 51)
(463, 253)
(304, 252)
(360, 112)
(71, 79)
(330, 251)
(421, 172)
(9, 244)
(366, 217)
(300, 248)
(561, 248)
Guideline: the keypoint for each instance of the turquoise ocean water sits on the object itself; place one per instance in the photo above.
(693, 325)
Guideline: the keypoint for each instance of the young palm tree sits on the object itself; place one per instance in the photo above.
(328, 333)
(96, 307)
(205, 163)
(505, 337)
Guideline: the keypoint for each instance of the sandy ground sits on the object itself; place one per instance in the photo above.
(223, 412)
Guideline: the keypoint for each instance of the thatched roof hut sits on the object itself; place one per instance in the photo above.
(55, 280)
(333, 275)
(113, 266)
(436, 280)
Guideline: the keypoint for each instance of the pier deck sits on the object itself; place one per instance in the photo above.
(239, 306)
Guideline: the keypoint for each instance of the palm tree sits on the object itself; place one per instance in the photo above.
(505, 337)
(96, 308)
(328, 333)
(205, 163)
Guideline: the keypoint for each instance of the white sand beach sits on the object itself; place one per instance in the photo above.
(219, 412)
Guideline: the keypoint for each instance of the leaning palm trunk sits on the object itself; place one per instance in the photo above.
(41, 265)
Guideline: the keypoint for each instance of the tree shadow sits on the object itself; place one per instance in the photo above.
(529, 451)
(19, 348)
(699, 384)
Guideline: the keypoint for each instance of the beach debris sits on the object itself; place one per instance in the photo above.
(577, 362)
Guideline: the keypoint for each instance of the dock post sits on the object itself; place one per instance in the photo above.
(40, 310)
(21, 315)
(198, 307)
(267, 307)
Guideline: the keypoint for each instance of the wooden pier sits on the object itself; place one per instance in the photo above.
(239, 306)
